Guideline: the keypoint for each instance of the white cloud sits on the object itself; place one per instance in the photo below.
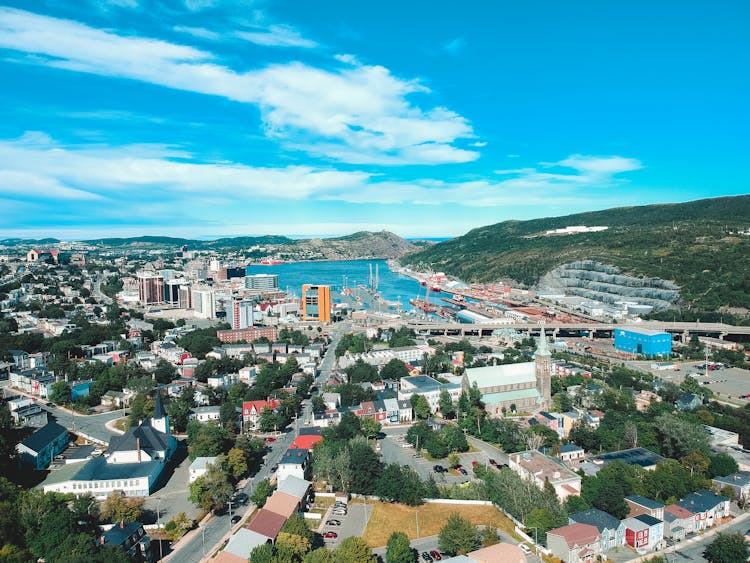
(597, 165)
(347, 59)
(30, 185)
(200, 32)
(361, 113)
(277, 36)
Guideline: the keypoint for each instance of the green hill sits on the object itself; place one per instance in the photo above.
(694, 244)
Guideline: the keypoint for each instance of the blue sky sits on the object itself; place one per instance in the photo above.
(207, 118)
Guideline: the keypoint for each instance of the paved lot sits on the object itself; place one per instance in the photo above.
(173, 495)
(353, 524)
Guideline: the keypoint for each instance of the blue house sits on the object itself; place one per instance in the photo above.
(79, 389)
(611, 529)
(42, 446)
(643, 341)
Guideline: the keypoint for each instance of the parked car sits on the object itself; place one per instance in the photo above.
(463, 471)
(525, 548)
(426, 556)
(474, 463)
(492, 462)
(236, 518)
(459, 468)
(436, 555)
(438, 469)
(330, 535)
(333, 522)
(270, 439)
(241, 497)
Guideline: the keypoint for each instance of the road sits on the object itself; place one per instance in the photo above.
(216, 530)
(692, 549)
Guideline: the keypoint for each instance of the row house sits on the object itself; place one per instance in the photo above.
(739, 482)
(37, 382)
(709, 508)
(611, 530)
(644, 533)
(678, 522)
(575, 543)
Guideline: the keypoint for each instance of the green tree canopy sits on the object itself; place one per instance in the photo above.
(726, 548)
(458, 536)
(399, 549)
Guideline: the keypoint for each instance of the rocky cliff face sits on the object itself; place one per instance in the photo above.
(600, 282)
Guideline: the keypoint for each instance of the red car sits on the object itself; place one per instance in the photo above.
(330, 535)
(436, 555)
(270, 439)
(474, 463)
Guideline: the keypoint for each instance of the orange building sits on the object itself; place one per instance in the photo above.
(316, 303)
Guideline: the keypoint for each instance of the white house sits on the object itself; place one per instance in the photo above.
(199, 467)
(204, 414)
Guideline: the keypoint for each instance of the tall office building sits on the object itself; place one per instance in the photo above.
(240, 314)
(316, 303)
(262, 282)
(204, 303)
(185, 297)
(150, 288)
(172, 290)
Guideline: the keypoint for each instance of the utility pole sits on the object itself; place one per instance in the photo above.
(416, 517)
(158, 525)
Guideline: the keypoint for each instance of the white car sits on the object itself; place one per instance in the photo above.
(525, 548)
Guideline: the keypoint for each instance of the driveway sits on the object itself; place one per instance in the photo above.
(174, 494)
(353, 524)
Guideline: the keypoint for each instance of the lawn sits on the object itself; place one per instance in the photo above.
(388, 518)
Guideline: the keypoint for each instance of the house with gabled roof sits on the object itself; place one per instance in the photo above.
(611, 529)
(642, 505)
(678, 522)
(266, 523)
(643, 532)
(42, 446)
(251, 411)
(575, 543)
(739, 482)
(709, 508)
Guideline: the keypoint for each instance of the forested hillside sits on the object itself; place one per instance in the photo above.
(698, 245)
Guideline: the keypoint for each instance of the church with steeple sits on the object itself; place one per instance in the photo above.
(508, 388)
(132, 464)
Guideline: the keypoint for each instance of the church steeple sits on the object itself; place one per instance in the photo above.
(160, 420)
(543, 368)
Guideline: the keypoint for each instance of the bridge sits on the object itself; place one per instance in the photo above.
(684, 329)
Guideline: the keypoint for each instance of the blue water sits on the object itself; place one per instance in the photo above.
(392, 286)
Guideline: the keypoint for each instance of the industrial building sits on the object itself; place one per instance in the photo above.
(643, 341)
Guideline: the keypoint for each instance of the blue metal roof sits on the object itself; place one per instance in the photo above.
(643, 501)
(44, 436)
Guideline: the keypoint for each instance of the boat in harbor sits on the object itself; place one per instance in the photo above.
(270, 261)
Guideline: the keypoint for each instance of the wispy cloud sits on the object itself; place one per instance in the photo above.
(277, 36)
(455, 46)
(361, 113)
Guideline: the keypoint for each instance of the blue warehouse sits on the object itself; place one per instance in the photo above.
(643, 341)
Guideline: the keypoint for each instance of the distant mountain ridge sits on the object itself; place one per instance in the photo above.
(698, 245)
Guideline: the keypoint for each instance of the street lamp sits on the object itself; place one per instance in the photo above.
(230, 514)
(158, 525)
(416, 517)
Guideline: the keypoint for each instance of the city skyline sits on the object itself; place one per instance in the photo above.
(203, 119)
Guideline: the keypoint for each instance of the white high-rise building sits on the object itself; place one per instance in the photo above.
(262, 282)
(204, 303)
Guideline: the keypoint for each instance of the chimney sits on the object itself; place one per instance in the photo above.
(138, 447)
(122, 524)
(101, 540)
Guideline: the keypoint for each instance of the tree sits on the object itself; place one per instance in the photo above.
(447, 409)
(291, 547)
(458, 536)
(370, 427)
(228, 415)
(611, 499)
(164, 371)
(721, 465)
(399, 549)
(61, 393)
(540, 521)
(212, 490)
(454, 439)
(681, 436)
(295, 524)
(262, 491)
(118, 507)
(354, 549)
(236, 463)
(421, 407)
(575, 503)
(395, 369)
(320, 555)
(207, 440)
(262, 553)
(453, 459)
(726, 548)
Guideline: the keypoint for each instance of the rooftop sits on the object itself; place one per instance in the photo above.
(595, 517)
(739, 479)
(632, 456)
(266, 523)
(118, 535)
(677, 511)
(202, 463)
(701, 501)
(282, 503)
(645, 502)
(542, 466)
(243, 542)
(505, 374)
(296, 456)
(44, 436)
(643, 331)
(577, 534)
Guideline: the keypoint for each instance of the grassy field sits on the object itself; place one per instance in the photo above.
(388, 518)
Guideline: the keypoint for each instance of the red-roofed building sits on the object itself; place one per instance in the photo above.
(575, 543)
(678, 522)
(306, 442)
(251, 411)
(266, 523)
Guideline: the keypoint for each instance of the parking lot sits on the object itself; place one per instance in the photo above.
(352, 524)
